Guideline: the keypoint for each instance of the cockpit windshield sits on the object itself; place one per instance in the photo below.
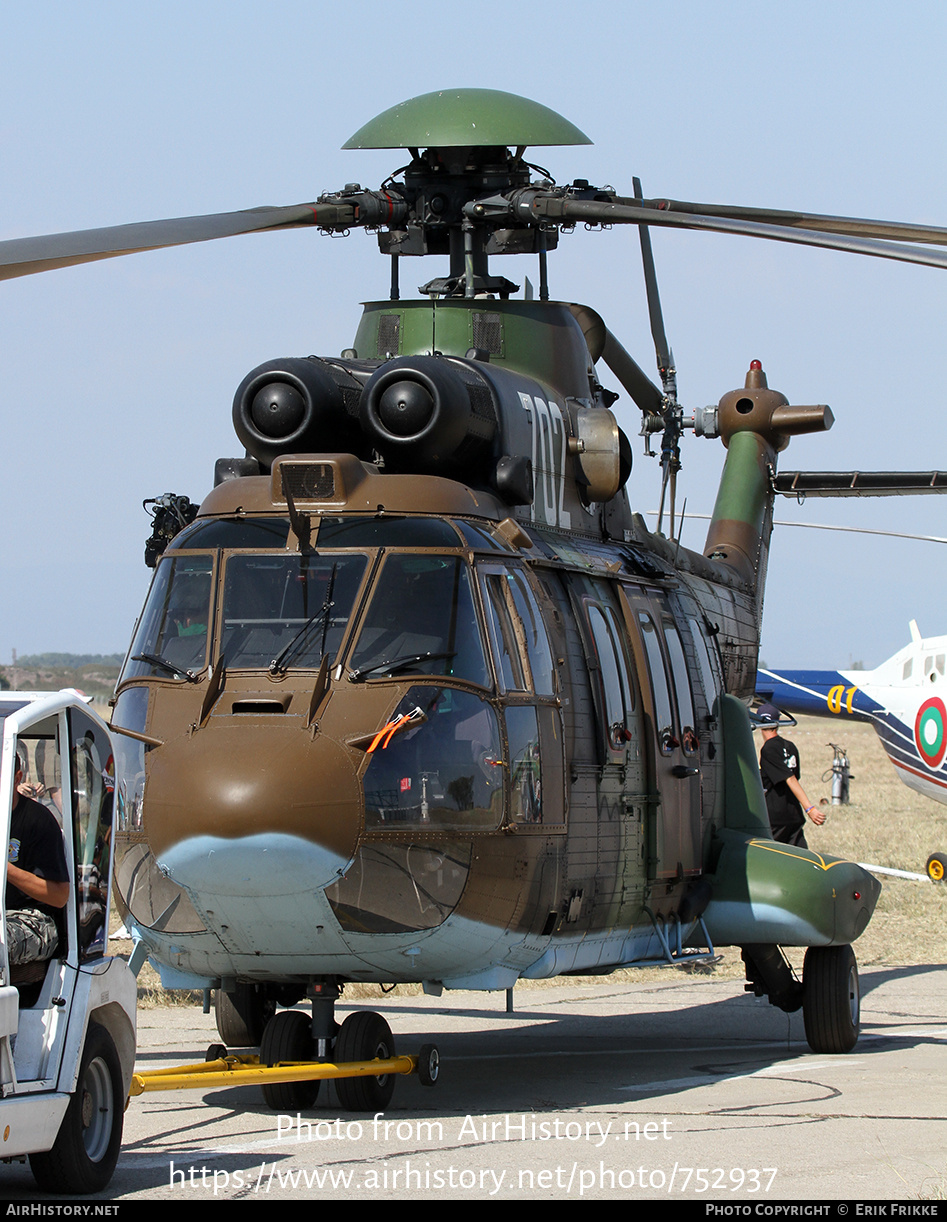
(421, 620)
(172, 632)
(287, 610)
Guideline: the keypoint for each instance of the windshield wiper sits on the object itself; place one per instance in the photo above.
(163, 664)
(278, 665)
(392, 666)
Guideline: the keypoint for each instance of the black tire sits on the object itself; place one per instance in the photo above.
(937, 867)
(90, 1136)
(363, 1036)
(242, 1015)
(288, 1037)
(429, 1065)
(831, 1004)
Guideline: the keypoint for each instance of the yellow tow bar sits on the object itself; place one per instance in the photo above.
(247, 1070)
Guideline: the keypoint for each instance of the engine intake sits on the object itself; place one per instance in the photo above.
(428, 413)
(292, 405)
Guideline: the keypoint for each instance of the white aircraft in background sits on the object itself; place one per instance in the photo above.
(903, 698)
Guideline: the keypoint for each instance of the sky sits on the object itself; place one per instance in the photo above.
(117, 378)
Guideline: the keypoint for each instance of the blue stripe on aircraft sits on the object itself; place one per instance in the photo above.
(816, 691)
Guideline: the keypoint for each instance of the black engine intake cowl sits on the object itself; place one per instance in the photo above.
(429, 414)
(293, 405)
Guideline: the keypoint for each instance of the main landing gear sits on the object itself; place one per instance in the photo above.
(248, 1016)
(828, 996)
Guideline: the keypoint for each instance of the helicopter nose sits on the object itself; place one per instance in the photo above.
(267, 807)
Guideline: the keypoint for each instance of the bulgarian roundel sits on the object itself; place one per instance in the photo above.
(929, 731)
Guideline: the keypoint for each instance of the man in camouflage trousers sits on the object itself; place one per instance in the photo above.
(37, 879)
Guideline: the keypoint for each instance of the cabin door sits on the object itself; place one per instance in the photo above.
(675, 830)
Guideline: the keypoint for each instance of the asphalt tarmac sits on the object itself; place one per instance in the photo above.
(685, 1087)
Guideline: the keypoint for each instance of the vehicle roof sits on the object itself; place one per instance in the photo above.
(28, 707)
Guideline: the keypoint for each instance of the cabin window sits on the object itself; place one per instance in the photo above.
(171, 639)
(444, 771)
(908, 668)
(286, 609)
(659, 682)
(706, 659)
(617, 693)
(421, 620)
(682, 688)
(521, 647)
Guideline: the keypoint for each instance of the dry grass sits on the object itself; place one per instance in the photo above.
(886, 824)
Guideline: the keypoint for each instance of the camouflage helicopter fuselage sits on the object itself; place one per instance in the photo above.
(420, 700)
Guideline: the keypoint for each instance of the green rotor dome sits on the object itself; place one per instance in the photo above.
(452, 118)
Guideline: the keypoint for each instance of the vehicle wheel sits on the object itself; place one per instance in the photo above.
(362, 1037)
(831, 999)
(937, 867)
(288, 1037)
(242, 1015)
(429, 1065)
(89, 1138)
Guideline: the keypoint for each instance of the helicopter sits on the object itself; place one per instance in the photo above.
(899, 698)
(415, 696)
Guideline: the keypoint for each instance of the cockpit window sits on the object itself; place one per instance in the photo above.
(172, 633)
(387, 532)
(233, 533)
(287, 610)
(444, 772)
(421, 620)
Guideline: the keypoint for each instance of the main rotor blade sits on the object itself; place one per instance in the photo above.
(26, 256)
(604, 212)
(899, 231)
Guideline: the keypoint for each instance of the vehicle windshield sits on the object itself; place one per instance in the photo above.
(287, 610)
(422, 620)
(172, 632)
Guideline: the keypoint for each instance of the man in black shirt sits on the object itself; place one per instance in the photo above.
(37, 879)
(786, 801)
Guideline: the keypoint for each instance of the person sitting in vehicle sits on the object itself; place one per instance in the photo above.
(37, 879)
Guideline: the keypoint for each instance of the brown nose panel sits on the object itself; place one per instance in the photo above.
(244, 776)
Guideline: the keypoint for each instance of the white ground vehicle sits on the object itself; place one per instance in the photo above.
(67, 1026)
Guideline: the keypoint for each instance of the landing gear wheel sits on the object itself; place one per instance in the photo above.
(937, 867)
(362, 1037)
(429, 1065)
(242, 1015)
(288, 1037)
(831, 1001)
(87, 1145)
